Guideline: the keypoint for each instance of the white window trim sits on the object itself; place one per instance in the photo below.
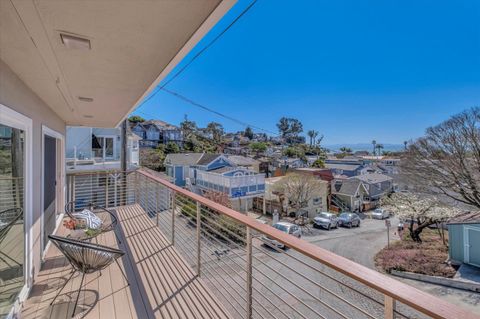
(46, 131)
(16, 120)
(114, 137)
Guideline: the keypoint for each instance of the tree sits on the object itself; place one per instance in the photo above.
(188, 127)
(312, 134)
(405, 143)
(299, 189)
(319, 163)
(152, 158)
(294, 152)
(379, 149)
(216, 130)
(446, 161)
(136, 119)
(248, 133)
(283, 126)
(290, 129)
(418, 211)
(258, 147)
(346, 150)
(172, 147)
(374, 143)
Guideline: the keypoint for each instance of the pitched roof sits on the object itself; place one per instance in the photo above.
(241, 160)
(207, 159)
(373, 178)
(183, 159)
(347, 186)
(345, 167)
(466, 218)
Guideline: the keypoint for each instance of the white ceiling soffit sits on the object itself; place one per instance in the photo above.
(128, 47)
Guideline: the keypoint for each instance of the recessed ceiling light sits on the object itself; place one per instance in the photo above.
(87, 116)
(85, 99)
(74, 42)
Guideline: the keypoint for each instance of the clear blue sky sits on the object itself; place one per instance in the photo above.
(353, 70)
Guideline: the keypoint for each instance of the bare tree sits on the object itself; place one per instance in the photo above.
(299, 189)
(418, 211)
(446, 161)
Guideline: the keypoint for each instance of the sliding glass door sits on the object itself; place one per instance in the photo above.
(12, 232)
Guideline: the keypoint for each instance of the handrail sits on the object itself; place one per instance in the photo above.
(418, 300)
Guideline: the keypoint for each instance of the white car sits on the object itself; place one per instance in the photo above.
(285, 227)
(380, 213)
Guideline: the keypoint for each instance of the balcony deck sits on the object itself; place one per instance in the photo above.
(162, 284)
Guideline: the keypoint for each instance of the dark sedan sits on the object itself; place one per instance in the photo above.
(348, 220)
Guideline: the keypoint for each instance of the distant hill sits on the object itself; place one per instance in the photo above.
(365, 147)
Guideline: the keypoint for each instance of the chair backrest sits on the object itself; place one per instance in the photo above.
(7, 219)
(84, 256)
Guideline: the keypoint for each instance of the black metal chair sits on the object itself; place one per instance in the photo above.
(109, 221)
(8, 218)
(85, 258)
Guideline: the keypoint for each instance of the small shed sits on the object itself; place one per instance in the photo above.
(464, 239)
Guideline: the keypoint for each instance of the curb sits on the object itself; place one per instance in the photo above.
(448, 282)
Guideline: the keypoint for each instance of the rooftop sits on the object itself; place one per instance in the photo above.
(373, 178)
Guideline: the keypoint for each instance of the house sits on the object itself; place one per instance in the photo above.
(88, 148)
(273, 200)
(348, 194)
(345, 170)
(377, 185)
(464, 239)
(203, 173)
(155, 132)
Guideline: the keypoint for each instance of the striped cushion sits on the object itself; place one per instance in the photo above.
(89, 219)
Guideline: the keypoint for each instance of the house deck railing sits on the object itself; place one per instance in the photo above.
(238, 259)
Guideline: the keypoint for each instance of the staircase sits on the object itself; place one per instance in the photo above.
(339, 203)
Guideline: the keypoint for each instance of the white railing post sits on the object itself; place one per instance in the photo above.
(173, 217)
(157, 194)
(249, 273)
(389, 307)
(199, 225)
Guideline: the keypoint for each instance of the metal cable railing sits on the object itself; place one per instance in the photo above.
(239, 260)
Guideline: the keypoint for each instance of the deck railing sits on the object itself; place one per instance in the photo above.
(239, 259)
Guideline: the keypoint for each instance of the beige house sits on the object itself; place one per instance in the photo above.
(274, 200)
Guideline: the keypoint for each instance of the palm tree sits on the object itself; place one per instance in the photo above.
(405, 144)
(312, 134)
(374, 146)
(379, 148)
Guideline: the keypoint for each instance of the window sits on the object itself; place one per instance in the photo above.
(317, 201)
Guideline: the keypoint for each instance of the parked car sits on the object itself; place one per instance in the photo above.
(380, 213)
(285, 227)
(326, 220)
(349, 220)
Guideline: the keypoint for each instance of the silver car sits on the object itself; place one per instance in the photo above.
(380, 213)
(287, 228)
(326, 220)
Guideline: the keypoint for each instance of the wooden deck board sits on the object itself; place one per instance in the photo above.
(162, 284)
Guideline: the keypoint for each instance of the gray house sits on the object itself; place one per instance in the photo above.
(377, 185)
(348, 194)
(155, 132)
(464, 239)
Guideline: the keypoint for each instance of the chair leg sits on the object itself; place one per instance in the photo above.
(123, 273)
(78, 295)
(66, 282)
(118, 238)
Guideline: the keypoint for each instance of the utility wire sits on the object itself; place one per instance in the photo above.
(198, 54)
(190, 101)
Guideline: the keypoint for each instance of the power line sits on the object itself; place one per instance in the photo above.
(198, 54)
(190, 101)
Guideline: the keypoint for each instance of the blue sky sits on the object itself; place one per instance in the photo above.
(352, 70)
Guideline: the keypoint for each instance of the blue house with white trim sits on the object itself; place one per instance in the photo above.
(215, 172)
